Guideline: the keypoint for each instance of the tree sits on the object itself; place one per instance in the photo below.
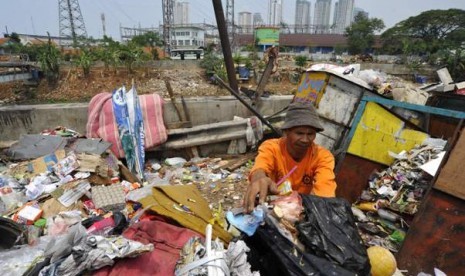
(85, 59)
(49, 59)
(109, 52)
(14, 37)
(300, 61)
(437, 35)
(130, 55)
(361, 34)
(426, 33)
(149, 39)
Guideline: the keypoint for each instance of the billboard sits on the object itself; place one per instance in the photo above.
(267, 36)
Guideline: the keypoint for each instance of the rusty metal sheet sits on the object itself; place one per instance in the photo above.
(436, 237)
(443, 127)
(353, 176)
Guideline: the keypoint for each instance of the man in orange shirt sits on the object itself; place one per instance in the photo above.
(310, 167)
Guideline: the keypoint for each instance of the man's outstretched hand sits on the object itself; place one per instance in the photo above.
(260, 184)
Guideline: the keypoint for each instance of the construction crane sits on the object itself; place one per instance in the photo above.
(71, 22)
(168, 22)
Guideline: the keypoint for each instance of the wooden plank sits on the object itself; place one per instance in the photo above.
(238, 162)
(451, 178)
(173, 100)
(208, 127)
(185, 142)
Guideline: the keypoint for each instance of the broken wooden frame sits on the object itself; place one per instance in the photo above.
(436, 237)
(420, 108)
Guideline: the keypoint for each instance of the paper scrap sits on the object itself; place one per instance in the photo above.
(432, 166)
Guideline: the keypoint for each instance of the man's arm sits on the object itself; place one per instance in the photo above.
(260, 184)
(324, 179)
(259, 181)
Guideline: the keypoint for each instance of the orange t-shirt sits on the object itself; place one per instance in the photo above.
(314, 174)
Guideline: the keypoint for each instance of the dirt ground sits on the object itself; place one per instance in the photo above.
(73, 86)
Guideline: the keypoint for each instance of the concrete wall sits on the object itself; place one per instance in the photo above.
(32, 119)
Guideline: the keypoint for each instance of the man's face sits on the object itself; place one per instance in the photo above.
(298, 139)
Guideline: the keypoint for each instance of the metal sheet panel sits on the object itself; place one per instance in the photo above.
(380, 132)
(436, 237)
(353, 176)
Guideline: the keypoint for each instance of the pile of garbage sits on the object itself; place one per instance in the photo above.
(68, 205)
(385, 209)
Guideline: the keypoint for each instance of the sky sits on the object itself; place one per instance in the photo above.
(39, 16)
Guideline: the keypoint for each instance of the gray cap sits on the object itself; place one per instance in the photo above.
(302, 114)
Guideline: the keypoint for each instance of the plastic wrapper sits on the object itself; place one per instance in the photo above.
(17, 261)
(247, 223)
(291, 206)
(372, 77)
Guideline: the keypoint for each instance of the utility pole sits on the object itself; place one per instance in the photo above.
(222, 29)
(70, 20)
(102, 17)
(168, 22)
(230, 21)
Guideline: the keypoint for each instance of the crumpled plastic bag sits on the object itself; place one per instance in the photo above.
(372, 77)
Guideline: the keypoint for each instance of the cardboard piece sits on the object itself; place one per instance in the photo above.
(444, 76)
(72, 195)
(52, 207)
(45, 163)
(66, 165)
(30, 213)
(90, 145)
(33, 146)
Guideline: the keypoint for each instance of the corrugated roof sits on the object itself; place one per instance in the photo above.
(4, 40)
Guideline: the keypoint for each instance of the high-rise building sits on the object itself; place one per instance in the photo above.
(302, 16)
(275, 12)
(181, 13)
(343, 15)
(357, 11)
(257, 19)
(321, 16)
(245, 22)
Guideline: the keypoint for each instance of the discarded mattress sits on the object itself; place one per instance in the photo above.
(101, 121)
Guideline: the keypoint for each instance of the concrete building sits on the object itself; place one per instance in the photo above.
(257, 19)
(189, 37)
(302, 43)
(275, 12)
(181, 13)
(343, 15)
(302, 16)
(357, 11)
(245, 22)
(321, 16)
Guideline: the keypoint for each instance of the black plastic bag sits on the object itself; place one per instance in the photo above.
(329, 231)
(273, 254)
